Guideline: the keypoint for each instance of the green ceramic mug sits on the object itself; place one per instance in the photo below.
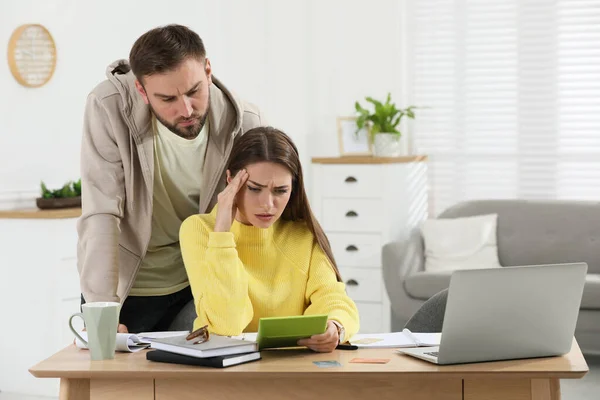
(101, 320)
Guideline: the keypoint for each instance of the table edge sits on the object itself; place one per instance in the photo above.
(218, 373)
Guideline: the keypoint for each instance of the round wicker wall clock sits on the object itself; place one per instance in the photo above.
(32, 55)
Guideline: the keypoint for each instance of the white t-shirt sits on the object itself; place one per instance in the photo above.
(178, 174)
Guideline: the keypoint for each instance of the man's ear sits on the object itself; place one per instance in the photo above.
(208, 70)
(229, 179)
(141, 91)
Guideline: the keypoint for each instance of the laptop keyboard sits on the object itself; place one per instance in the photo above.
(432, 353)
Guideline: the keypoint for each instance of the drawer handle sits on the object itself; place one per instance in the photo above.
(351, 282)
(351, 214)
(352, 248)
(350, 179)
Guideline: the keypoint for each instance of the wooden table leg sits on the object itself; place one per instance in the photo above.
(545, 389)
(74, 389)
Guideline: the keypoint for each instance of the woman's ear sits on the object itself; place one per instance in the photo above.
(228, 177)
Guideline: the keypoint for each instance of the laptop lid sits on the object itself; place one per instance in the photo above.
(511, 312)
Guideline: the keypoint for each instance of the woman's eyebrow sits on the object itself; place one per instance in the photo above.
(264, 186)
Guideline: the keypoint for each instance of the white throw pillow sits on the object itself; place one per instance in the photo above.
(460, 243)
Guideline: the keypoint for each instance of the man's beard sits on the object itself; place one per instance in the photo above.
(186, 132)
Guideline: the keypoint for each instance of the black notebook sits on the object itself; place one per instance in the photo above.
(215, 362)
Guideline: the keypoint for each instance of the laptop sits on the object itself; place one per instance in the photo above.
(508, 313)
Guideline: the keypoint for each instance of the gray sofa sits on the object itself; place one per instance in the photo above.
(528, 233)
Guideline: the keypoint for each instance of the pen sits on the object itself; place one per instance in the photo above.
(347, 347)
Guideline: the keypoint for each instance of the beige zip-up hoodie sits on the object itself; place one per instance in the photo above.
(117, 175)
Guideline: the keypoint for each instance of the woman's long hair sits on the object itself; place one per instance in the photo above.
(267, 144)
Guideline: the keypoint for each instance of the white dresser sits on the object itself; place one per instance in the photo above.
(363, 203)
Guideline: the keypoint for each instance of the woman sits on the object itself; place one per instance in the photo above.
(261, 252)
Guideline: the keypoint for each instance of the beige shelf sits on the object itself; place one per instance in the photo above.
(368, 160)
(36, 213)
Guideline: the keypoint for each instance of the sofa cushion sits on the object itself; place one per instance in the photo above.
(591, 292)
(460, 243)
(423, 285)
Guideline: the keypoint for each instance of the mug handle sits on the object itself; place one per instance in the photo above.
(73, 330)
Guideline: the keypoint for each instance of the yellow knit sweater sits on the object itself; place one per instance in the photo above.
(240, 276)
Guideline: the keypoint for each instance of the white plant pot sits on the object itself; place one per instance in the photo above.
(387, 145)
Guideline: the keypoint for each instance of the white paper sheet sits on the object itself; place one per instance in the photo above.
(126, 342)
(405, 338)
(249, 336)
(161, 335)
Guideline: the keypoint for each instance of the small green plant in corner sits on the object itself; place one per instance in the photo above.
(384, 119)
(69, 189)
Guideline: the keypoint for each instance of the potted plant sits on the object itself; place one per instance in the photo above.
(67, 196)
(382, 124)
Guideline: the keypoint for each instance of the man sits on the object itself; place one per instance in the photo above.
(157, 134)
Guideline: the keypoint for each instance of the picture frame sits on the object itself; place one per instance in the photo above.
(350, 143)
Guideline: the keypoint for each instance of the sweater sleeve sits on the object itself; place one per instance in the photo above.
(328, 296)
(217, 277)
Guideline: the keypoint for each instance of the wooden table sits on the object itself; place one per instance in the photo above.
(291, 374)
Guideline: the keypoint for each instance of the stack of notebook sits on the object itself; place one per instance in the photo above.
(218, 351)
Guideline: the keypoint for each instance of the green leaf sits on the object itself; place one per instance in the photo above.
(360, 124)
(374, 102)
(360, 109)
(45, 192)
(374, 119)
(65, 190)
(77, 187)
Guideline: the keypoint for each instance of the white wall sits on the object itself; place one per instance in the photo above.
(304, 62)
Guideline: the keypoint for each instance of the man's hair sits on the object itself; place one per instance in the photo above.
(162, 49)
